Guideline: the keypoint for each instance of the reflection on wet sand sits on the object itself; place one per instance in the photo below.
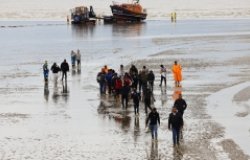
(136, 128)
(46, 91)
(64, 93)
(154, 154)
(76, 70)
(83, 31)
(128, 30)
(177, 153)
(163, 96)
(109, 107)
(177, 92)
(55, 95)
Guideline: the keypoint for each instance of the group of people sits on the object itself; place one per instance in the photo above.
(64, 67)
(138, 85)
(75, 58)
(131, 84)
(175, 120)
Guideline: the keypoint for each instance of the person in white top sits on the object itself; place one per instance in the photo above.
(163, 73)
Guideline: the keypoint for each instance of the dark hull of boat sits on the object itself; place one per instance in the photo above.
(82, 20)
(120, 13)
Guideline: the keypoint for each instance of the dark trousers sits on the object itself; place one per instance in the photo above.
(109, 87)
(176, 135)
(102, 87)
(140, 86)
(147, 103)
(135, 84)
(64, 74)
(124, 100)
(151, 83)
(153, 128)
(136, 108)
(163, 79)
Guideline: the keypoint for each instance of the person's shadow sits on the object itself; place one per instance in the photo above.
(177, 153)
(136, 128)
(46, 91)
(65, 91)
(154, 151)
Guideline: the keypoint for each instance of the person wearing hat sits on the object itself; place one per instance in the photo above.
(175, 123)
(46, 71)
(152, 119)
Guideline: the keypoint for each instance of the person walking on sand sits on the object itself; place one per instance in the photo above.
(125, 93)
(175, 123)
(65, 69)
(153, 118)
(73, 58)
(46, 71)
(163, 73)
(121, 72)
(55, 69)
(102, 81)
(147, 99)
(136, 99)
(78, 58)
(180, 105)
(151, 79)
(177, 73)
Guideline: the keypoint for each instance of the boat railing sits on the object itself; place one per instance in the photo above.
(116, 3)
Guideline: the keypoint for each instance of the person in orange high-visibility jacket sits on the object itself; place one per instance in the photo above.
(177, 73)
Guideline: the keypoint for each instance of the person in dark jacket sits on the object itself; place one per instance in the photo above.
(151, 79)
(125, 93)
(180, 104)
(101, 79)
(153, 117)
(136, 99)
(55, 69)
(133, 72)
(175, 123)
(109, 77)
(147, 99)
(65, 69)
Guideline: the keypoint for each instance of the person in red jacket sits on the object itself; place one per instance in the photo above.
(118, 87)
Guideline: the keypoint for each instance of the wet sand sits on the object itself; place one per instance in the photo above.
(51, 121)
(203, 137)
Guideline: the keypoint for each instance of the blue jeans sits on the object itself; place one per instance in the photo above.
(153, 128)
(102, 87)
(176, 135)
(46, 74)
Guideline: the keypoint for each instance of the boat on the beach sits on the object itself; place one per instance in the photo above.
(128, 12)
(83, 15)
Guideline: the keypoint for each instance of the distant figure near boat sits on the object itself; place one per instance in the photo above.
(173, 17)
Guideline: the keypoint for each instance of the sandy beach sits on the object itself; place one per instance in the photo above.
(60, 122)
